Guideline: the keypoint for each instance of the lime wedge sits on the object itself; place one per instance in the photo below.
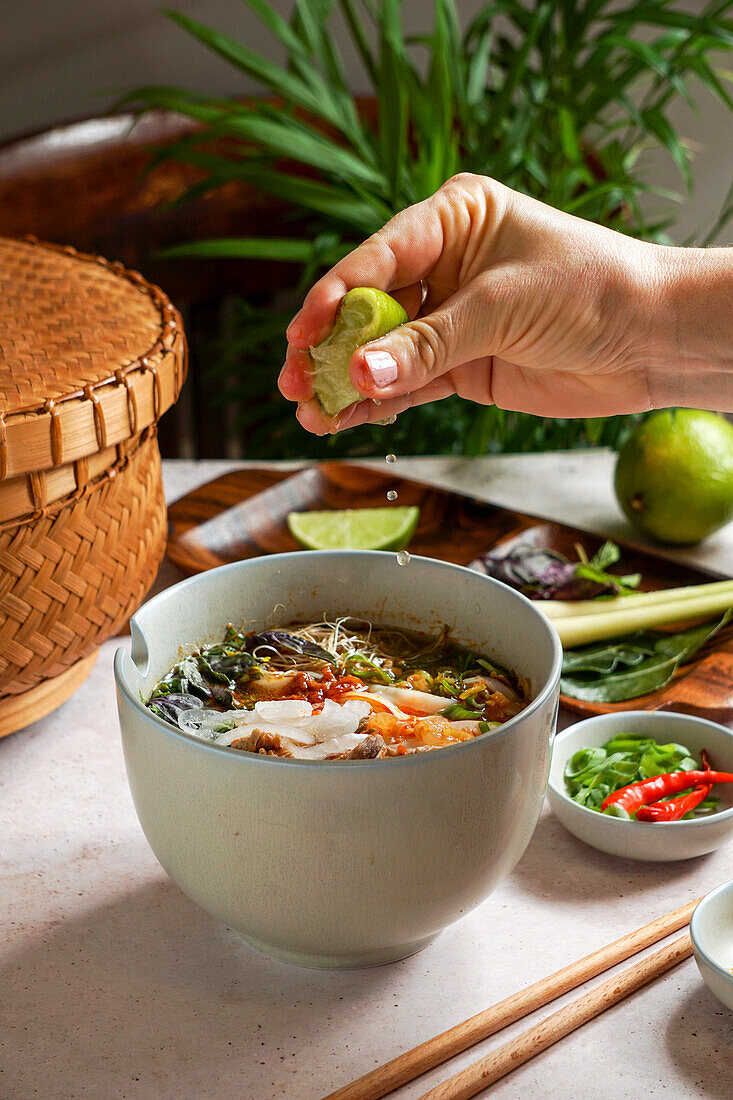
(364, 314)
(355, 528)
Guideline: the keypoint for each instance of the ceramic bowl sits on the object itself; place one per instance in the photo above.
(348, 863)
(711, 932)
(638, 839)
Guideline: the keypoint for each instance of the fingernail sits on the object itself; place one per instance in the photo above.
(380, 368)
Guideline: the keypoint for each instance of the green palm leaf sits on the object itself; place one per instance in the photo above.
(557, 99)
(257, 248)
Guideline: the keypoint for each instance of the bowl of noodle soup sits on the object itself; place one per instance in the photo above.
(336, 755)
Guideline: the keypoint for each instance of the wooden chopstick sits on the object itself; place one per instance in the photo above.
(433, 1052)
(517, 1051)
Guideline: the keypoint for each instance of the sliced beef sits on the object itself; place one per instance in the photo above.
(369, 749)
(268, 744)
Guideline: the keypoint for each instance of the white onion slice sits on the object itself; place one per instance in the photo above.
(292, 720)
(290, 733)
(358, 697)
(203, 722)
(359, 707)
(344, 743)
(332, 721)
(421, 702)
(283, 710)
(502, 688)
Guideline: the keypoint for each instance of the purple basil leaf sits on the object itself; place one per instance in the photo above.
(290, 643)
(540, 573)
(170, 706)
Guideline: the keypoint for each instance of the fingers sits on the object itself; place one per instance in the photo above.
(415, 354)
(420, 256)
(399, 255)
(311, 416)
(295, 380)
(411, 361)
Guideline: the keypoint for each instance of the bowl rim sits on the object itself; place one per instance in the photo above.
(550, 686)
(724, 887)
(650, 827)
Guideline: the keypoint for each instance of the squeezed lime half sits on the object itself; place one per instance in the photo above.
(355, 528)
(364, 314)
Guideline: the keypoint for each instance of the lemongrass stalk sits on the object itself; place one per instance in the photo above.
(584, 629)
(572, 609)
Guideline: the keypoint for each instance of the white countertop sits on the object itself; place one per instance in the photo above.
(114, 985)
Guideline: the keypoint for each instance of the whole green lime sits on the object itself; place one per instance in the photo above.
(674, 475)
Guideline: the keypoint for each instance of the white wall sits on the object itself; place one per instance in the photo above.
(64, 59)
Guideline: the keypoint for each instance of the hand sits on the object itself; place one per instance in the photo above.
(514, 303)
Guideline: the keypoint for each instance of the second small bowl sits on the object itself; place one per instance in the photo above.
(711, 931)
(636, 839)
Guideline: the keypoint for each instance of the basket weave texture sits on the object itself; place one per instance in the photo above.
(72, 578)
(87, 320)
(90, 356)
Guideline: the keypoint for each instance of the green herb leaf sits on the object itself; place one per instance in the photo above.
(460, 712)
(358, 664)
(592, 774)
(606, 657)
(640, 673)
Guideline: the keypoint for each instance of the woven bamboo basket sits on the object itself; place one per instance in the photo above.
(91, 355)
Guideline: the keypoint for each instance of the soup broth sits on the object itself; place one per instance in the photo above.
(347, 690)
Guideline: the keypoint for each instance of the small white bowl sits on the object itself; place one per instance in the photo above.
(637, 839)
(711, 932)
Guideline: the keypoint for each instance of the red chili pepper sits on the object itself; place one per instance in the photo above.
(676, 808)
(647, 791)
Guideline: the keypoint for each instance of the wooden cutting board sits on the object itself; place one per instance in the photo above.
(243, 514)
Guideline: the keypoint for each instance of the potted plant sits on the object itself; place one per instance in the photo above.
(556, 100)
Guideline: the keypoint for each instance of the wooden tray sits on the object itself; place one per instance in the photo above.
(243, 514)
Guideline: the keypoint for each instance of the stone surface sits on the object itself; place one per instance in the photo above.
(114, 985)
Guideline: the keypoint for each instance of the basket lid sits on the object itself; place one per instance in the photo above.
(90, 355)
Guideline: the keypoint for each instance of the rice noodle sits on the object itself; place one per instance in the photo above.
(343, 641)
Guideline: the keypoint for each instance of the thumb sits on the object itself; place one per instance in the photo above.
(420, 351)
